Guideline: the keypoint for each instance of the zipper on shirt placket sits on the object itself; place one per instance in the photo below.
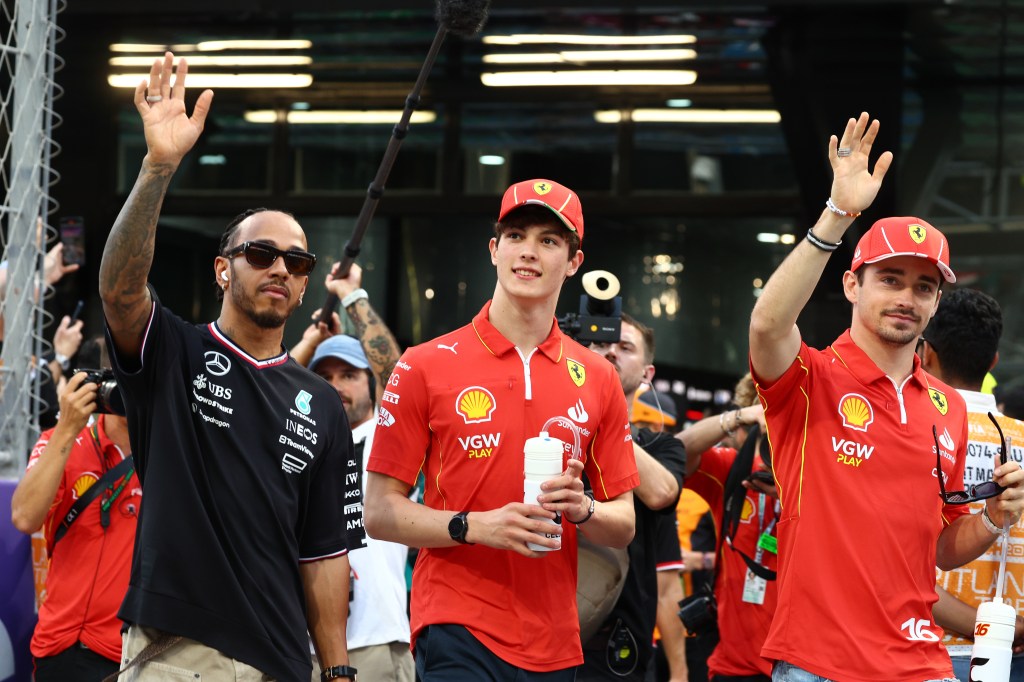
(526, 371)
(899, 396)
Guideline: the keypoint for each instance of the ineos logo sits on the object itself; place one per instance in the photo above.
(217, 364)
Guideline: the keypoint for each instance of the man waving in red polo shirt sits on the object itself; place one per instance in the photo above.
(863, 524)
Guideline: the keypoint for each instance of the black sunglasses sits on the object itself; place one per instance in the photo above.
(262, 256)
(979, 491)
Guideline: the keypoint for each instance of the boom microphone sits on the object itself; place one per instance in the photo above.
(464, 18)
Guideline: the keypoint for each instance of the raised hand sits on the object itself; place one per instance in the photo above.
(170, 132)
(343, 286)
(854, 187)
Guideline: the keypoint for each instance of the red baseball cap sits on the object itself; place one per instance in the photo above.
(562, 200)
(907, 236)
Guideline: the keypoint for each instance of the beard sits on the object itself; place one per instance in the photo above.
(264, 319)
(899, 335)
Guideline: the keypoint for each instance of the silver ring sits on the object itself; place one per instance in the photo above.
(842, 151)
(154, 98)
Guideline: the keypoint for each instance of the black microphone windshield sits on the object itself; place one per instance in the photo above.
(464, 18)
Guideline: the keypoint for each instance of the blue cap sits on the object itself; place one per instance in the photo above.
(343, 347)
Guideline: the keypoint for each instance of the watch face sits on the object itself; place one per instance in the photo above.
(457, 528)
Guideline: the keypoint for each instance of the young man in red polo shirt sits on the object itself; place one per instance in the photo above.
(851, 429)
(484, 605)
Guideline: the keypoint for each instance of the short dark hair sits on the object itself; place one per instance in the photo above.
(228, 237)
(525, 216)
(646, 333)
(964, 334)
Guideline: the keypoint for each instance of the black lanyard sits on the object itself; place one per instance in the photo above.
(110, 494)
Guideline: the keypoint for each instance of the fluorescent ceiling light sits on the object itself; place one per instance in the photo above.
(576, 39)
(217, 45)
(138, 47)
(582, 56)
(326, 116)
(773, 238)
(223, 60)
(692, 116)
(492, 160)
(628, 55)
(679, 103)
(535, 58)
(603, 77)
(223, 80)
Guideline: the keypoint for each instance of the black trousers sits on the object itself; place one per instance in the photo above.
(449, 653)
(74, 664)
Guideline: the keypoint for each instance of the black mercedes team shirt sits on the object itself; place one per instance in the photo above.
(243, 465)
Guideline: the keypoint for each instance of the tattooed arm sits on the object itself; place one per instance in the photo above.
(128, 255)
(378, 342)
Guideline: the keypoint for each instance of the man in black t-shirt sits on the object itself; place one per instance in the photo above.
(241, 542)
(621, 649)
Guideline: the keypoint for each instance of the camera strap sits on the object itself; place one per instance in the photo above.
(95, 490)
(736, 494)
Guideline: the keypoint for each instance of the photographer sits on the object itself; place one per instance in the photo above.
(81, 489)
(734, 470)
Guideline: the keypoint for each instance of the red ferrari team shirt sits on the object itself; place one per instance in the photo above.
(855, 461)
(742, 625)
(89, 567)
(460, 409)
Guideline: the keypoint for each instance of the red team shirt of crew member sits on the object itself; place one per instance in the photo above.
(742, 626)
(89, 567)
(461, 406)
(854, 458)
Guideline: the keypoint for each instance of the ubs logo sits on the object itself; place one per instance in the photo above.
(217, 364)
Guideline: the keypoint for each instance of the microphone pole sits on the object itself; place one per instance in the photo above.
(463, 17)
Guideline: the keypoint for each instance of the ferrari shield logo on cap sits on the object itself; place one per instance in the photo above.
(541, 188)
(939, 400)
(577, 372)
(917, 232)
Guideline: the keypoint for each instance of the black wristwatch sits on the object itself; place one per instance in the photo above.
(458, 527)
(338, 672)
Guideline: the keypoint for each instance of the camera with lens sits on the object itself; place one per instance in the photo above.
(600, 317)
(108, 396)
(699, 612)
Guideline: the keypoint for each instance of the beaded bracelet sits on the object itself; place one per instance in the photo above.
(830, 205)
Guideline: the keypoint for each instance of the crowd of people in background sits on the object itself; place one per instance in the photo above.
(250, 512)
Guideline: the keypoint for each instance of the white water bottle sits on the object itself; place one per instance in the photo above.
(542, 460)
(993, 642)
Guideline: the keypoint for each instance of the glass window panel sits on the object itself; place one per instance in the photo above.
(345, 157)
(560, 141)
(231, 154)
(711, 158)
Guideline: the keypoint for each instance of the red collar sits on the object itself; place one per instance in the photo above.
(864, 368)
(498, 345)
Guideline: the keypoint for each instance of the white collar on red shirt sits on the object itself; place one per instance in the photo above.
(979, 402)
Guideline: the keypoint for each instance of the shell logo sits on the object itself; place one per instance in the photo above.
(476, 404)
(856, 412)
(83, 483)
(748, 511)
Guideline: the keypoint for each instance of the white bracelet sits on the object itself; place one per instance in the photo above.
(989, 524)
(357, 295)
